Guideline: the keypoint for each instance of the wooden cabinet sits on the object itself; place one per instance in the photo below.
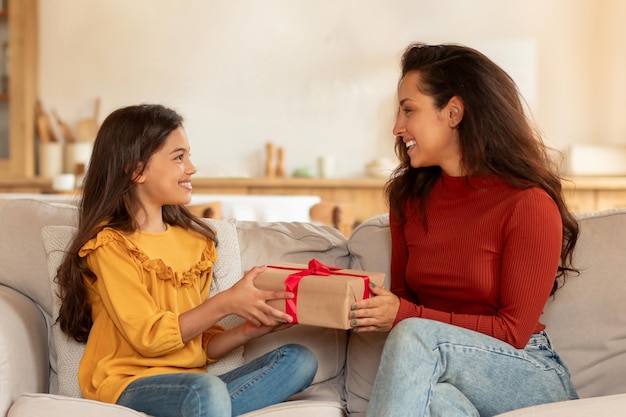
(595, 193)
(18, 36)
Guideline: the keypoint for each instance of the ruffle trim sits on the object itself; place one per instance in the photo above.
(157, 266)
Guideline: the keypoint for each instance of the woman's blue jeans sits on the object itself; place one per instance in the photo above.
(267, 380)
(430, 368)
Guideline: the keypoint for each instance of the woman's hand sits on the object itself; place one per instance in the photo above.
(250, 303)
(375, 314)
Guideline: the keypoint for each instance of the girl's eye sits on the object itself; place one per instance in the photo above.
(406, 110)
(179, 157)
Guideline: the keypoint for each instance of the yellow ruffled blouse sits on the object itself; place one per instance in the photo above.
(144, 281)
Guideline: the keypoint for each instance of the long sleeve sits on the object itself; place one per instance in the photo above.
(485, 260)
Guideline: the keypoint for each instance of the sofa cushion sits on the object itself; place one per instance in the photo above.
(226, 272)
(607, 406)
(586, 319)
(67, 352)
(264, 243)
(370, 246)
(28, 405)
(364, 349)
(23, 347)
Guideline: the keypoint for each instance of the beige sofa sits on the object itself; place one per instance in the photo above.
(586, 320)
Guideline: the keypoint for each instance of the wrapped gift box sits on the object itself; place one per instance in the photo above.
(323, 295)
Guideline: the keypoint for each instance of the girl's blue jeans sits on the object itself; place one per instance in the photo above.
(430, 368)
(267, 380)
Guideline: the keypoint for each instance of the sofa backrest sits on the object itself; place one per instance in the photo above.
(23, 267)
(23, 264)
(586, 319)
(370, 249)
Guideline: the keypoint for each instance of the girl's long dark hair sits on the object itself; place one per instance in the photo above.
(496, 136)
(126, 140)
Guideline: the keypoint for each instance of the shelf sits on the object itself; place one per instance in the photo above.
(17, 113)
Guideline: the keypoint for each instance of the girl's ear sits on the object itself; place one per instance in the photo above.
(138, 177)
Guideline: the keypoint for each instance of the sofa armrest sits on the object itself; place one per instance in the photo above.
(24, 364)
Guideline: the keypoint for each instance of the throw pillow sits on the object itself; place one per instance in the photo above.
(68, 351)
(226, 271)
(364, 349)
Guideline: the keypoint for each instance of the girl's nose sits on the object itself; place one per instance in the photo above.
(191, 168)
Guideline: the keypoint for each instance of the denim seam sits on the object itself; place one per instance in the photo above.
(554, 366)
(168, 387)
(254, 378)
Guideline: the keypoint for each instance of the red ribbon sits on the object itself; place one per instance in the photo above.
(315, 267)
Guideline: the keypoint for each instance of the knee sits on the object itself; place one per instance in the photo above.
(406, 329)
(304, 362)
(207, 396)
(411, 331)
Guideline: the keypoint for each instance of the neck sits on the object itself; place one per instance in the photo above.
(151, 221)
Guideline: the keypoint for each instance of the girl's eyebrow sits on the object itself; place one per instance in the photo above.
(179, 150)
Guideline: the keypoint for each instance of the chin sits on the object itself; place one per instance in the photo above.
(180, 201)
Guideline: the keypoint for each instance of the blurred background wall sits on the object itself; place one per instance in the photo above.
(318, 77)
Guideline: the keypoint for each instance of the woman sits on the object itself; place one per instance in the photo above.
(481, 237)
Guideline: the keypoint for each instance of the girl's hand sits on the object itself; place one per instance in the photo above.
(252, 331)
(249, 302)
(375, 314)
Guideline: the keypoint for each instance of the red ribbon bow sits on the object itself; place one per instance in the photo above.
(315, 267)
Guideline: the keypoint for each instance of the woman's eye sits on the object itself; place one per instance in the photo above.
(406, 110)
(179, 157)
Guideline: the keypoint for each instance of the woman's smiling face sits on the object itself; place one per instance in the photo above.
(430, 134)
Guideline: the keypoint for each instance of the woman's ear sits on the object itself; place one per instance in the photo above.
(455, 109)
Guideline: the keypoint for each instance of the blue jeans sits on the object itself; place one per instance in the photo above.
(267, 380)
(430, 368)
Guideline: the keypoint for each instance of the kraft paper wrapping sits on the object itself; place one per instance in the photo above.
(321, 300)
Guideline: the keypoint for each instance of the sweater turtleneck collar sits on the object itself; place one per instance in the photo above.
(469, 184)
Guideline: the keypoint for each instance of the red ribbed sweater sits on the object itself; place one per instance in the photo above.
(486, 260)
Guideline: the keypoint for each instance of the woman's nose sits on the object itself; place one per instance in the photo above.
(398, 127)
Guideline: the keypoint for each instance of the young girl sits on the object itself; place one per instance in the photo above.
(135, 282)
(480, 233)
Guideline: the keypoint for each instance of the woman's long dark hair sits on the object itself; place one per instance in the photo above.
(126, 140)
(496, 136)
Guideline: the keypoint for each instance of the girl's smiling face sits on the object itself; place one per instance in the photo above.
(430, 134)
(166, 178)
